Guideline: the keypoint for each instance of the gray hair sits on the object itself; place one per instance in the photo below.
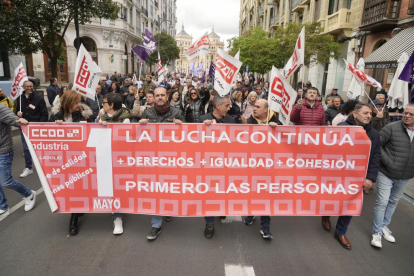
(220, 100)
(359, 106)
(377, 96)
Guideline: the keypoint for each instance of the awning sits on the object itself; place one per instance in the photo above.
(387, 55)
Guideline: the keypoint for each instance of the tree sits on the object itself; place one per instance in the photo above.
(40, 25)
(260, 51)
(169, 50)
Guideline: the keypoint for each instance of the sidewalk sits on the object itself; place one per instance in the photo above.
(410, 189)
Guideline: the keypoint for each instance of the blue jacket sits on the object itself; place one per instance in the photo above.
(375, 154)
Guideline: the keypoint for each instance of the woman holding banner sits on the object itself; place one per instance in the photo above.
(70, 110)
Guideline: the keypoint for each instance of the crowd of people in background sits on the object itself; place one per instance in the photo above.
(184, 98)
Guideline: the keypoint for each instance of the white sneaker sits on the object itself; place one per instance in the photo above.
(376, 240)
(387, 234)
(4, 213)
(118, 229)
(30, 201)
(26, 172)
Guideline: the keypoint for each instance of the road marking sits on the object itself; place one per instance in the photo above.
(409, 200)
(230, 219)
(238, 270)
(20, 204)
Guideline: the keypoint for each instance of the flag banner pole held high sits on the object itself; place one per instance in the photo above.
(407, 74)
(281, 96)
(200, 47)
(298, 57)
(160, 69)
(87, 74)
(20, 77)
(226, 68)
(240, 169)
(150, 45)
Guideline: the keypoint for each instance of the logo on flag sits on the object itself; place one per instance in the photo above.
(20, 77)
(281, 97)
(227, 67)
(361, 77)
(150, 45)
(200, 47)
(87, 74)
(298, 57)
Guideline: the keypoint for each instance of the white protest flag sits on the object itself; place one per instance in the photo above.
(298, 57)
(226, 68)
(134, 79)
(281, 97)
(87, 74)
(361, 77)
(20, 77)
(237, 56)
(200, 47)
(160, 69)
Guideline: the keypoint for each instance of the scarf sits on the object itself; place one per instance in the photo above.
(162, 110)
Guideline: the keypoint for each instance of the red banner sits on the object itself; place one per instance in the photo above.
(198, 170)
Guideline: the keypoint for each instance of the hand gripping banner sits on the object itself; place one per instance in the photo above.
(199, 170)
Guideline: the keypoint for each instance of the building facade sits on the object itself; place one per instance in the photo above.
(184, 41)
(340, 18)
(110, 42)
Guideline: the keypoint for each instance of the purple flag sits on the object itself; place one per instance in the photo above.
(197, 71)
(407, 74)
(212, 70)
(192, 65)
(150, 45)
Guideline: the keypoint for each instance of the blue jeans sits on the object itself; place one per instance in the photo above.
(210, 220)
(6, 180)
(156, 221)
(264, 221)
(27, 156)
(389, 192)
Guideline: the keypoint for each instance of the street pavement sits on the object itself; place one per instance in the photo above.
(37, 243)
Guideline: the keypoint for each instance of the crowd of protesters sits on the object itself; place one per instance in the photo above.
(183, 98)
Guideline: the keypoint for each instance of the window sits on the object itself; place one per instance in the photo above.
(130, 15)
(138, 23)
(333, 6)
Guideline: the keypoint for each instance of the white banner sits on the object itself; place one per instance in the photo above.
(87, 74)
(361, 77)
(226, 68)
(298, 57)
(20, 77)
(200, 47)
(281, 96)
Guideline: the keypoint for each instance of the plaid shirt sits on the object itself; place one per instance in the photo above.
(7, 119)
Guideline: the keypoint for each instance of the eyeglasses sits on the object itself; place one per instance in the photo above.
(408, 114)
(193, 93)
(104, 102)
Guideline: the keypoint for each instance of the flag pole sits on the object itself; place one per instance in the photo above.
(363, 88)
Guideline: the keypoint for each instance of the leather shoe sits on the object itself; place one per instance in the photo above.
(343, 241)
(73, 224)
(326, 224)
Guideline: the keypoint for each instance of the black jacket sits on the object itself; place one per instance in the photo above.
(209, 116)
(154, 117)
(129, 101)
(76, 116)
(34, 108)
(52, 92)
(235, 112)
(195, 109)
(95, 105)
(375, 154)
(330, 114)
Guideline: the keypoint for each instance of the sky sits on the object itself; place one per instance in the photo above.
(200, 16)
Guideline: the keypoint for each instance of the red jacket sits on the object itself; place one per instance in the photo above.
(307, 115)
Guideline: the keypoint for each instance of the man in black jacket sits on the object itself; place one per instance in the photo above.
(396, 170)
(52, 91)
(33, 109)
(218, 116)
(332, 110)
(161, 112)
(361, 117)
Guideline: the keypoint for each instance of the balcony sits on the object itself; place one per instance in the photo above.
(144, 11)
(380, 15)
(297, 6)
(305, 2)
(338, 21)
(274, 21)
(410, 10)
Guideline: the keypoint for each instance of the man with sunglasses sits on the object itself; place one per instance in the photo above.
(396, 170)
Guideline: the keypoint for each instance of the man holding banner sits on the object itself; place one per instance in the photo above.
(361, 117)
